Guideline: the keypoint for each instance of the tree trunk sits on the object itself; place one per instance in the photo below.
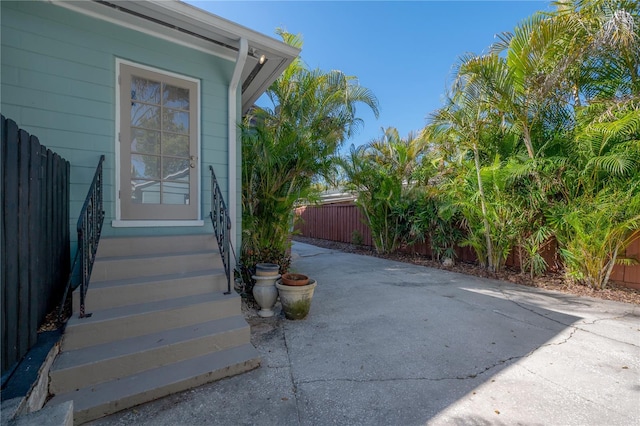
(487, 235)
(609, 267)
(527, 140)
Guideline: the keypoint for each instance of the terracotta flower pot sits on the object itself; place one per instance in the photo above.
(295, 279)
(296, 300)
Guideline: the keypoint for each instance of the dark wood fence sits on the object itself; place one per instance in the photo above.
(344, 223)
(35, 237)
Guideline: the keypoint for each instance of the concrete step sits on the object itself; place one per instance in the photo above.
(50, 415)
(148, 265)
(131, 291)
(115, 360)
(123, 322)
(131, 246)
(105, 398)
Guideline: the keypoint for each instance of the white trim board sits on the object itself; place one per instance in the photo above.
(97, 11)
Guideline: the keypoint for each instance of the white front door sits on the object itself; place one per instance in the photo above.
(159, 162)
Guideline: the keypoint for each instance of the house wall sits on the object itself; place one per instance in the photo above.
(59, 83)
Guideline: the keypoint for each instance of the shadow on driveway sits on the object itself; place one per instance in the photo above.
(399, 344)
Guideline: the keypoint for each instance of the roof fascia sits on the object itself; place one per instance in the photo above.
(179, 20)
(187, 25)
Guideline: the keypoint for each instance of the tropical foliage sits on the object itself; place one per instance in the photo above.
(288, 145)
(384, 175)
(538, 141)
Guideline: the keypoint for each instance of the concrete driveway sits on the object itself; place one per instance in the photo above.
(389, 343)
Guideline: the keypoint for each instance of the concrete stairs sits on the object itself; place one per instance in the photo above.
(160, 323)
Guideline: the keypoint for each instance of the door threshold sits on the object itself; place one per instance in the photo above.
(154, 223)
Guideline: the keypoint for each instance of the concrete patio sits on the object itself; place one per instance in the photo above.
(397, 344)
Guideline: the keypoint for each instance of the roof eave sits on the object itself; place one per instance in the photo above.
(189, 25)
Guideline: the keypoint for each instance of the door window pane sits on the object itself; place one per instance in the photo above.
(145, 167)
(146, 116)
(145, 191)
(145, 141)
(144, 90)
(175, 97)
(174, 120)
(175, 193)
(175, 145)
(175, 169)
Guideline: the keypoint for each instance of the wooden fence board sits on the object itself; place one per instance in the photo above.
(338, 222)
(3, 246)
(24, 333)
(35, 238)
(48, 211)
(55, 217)
(44, 222)
(631, 273)
(10, 254)
(34, 226)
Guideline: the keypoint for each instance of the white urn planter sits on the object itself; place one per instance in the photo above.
(296, 299)
(267, 269)
(265, 293)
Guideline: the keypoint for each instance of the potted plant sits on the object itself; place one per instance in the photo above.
(264, 291)
(296, 297)
(294, 279)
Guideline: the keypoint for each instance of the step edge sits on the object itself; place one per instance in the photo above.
(180, 303)
(253, 357)
(80, 335)
(236, 322)
(149, 279)
(106, 259)
(66, 380)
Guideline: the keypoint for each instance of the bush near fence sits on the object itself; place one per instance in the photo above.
(35, 238)
(339, 222)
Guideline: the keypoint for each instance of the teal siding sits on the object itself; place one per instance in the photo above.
(59, 83)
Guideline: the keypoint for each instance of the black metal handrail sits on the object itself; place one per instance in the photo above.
(89, 228)
(221, 226)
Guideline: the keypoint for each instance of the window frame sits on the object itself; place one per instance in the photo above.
(119, 221)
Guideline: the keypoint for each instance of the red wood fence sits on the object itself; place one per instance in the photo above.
(346, 223)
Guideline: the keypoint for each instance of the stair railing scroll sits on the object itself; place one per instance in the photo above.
(221, 226)
(89, 228)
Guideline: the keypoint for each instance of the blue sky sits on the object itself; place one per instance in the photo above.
(402, 51)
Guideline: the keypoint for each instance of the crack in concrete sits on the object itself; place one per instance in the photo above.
(315, 254)
(574, 326)
(608, 319)
(573, 331)
(533, 311)
(294, 386)
(402, 379)
(466, 377)
(593, 322)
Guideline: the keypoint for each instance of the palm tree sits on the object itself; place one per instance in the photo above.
(464, 120)
(286, 146)
(593, 232)
(384, 174)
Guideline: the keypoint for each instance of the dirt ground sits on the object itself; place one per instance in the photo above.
(551, 281)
